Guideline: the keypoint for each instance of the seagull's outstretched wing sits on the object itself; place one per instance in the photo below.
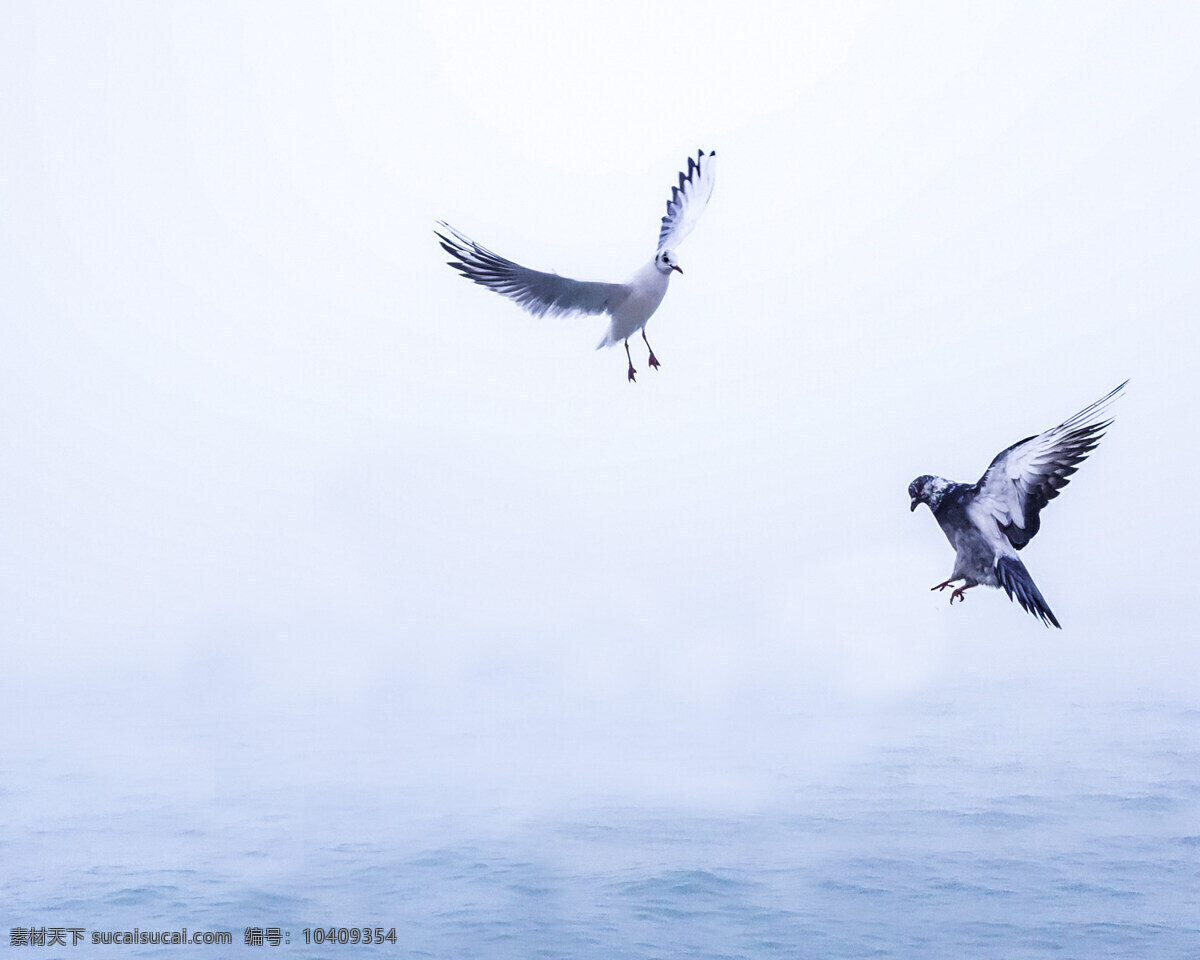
(688, 200)
(539, 293)
(1028, 475)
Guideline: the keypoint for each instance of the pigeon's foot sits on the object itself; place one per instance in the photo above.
(943, 585)
(958, 594)
(653, 360)
(632, 378)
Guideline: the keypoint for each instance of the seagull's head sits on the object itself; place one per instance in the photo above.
(666, 262)
(928, 490)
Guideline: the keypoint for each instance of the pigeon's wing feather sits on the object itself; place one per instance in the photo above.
(539, 293)
(1029, 474)
(688, 200)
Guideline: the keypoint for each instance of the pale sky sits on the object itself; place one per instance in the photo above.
(257, 433)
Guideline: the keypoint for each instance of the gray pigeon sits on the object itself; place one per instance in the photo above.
(989, 521)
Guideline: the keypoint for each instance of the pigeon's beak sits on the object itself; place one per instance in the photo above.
(675, 266)
(913, 507)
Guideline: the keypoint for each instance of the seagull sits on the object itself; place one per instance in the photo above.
(989, 521)
(629, 304)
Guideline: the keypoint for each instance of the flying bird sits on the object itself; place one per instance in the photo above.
(629, 304)
(989, 521)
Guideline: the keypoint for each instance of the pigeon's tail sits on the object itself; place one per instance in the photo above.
(1017, 582)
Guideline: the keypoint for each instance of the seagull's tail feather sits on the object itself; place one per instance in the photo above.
(1018, 584)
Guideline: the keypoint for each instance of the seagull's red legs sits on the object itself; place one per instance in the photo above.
(653, 358)
(632, 379)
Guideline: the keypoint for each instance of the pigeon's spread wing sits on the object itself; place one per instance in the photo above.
(1028, 475)
(688, 200)
(539, 293)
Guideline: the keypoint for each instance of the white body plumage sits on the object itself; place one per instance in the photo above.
(646, 289)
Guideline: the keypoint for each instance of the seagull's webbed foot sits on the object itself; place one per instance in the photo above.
(632, 378)
(653, 358)
(958, 594)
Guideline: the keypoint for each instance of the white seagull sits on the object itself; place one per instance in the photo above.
(629, 304)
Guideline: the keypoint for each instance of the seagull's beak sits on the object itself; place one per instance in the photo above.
(675, 266)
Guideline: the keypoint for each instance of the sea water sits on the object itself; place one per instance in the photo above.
(963, 828)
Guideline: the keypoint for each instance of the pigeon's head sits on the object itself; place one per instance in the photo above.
(666, 262)
(928, 490)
